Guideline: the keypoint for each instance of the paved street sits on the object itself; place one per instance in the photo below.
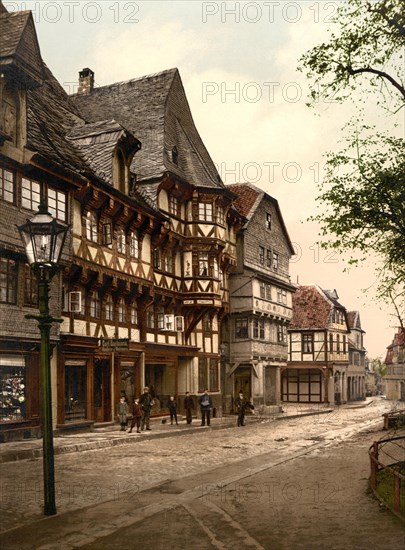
(293, 483)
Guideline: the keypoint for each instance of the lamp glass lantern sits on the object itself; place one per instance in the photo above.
(43, 238)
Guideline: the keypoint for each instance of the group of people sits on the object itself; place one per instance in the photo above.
(142, 406)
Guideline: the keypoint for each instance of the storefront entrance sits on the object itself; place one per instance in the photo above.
(101, 390)
(162, 382)
(243, 382)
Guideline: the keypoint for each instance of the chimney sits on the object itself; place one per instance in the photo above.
(86, 81)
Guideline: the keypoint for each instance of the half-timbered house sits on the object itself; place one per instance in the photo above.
(318, 352)
(255, 333)
(394, 379)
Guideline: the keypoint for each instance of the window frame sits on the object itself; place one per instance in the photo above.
(307, 343)
(3, 181)
(9, 269)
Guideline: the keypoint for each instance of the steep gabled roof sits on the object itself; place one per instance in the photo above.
(19, 48)
(354, 320)
(248, 200)
(155, 109)
(312, 308)
(399, 340)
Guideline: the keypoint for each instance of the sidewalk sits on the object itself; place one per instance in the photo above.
(111, 436)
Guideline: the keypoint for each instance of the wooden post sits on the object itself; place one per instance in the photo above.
(397, 492)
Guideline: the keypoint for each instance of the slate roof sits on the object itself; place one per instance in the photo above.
(248, 198)
(399, 340)
(353, 318)
(97, 142)
(19, 48)
(312, 308)
(154, 108)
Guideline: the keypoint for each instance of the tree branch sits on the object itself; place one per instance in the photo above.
(381, 74)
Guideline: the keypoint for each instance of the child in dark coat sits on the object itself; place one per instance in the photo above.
(136, 416)
(122, 413)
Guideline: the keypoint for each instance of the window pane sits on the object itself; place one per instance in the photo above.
(7, 185)
(12, 393)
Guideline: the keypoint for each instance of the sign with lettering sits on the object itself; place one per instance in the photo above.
(114, 344)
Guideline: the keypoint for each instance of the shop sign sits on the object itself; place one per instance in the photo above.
(114, 344)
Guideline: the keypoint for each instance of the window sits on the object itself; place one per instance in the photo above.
(133, 245)
(109, 309)
(307, 343)
(121, 241)
(241, 328)
(107, 234)
(75, 392)
(150, 318)
(344, 344)
(30, 287)
(203, 264)
(207, 324)
(168, 262)
(12, 389)
(268, 221)
(268, 292)
(261, 255)
(91, 227)
(175, 156)
(8, 280)
(174, 206)
(258, 328)
(268, 258)
(57, 204)
(134, 314)
(31, 193)
(275, 261)
(205, 211)
(262, 290)
(331, 343)
(7, 188)
(213, 375)
(338, 343)
(122, 311)
(220, 215)
(281, 296)
(156, 258)
(94, 305)
(202, 374)
(281, 333)
(160, 318)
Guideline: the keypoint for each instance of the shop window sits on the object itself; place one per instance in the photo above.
(7, 185)
(12, 389)
(8, 280)
(213, 375)
(57, 204)
(91, 227)
(30, 287)
(30, 194)
(75, 392)
(202, 374)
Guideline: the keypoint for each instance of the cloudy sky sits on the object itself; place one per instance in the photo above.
(238, 64)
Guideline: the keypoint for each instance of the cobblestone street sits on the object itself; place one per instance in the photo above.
(154, 476)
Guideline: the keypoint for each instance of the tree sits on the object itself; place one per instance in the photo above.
(363, 193)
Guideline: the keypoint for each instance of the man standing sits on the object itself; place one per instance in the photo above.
(241, 403)
(206, 406)
(189, 406)
(146, 402)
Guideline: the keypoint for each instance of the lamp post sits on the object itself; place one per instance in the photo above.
(43, 238)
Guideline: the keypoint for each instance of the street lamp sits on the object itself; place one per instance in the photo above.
(43, 238)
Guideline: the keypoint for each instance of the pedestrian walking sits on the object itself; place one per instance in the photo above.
(122, 413)
(241, 404)
(172, 406)
(205, 402)
(146, 402)
(189, 406)
(136, 417)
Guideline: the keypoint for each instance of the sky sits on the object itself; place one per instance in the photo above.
(238, 63)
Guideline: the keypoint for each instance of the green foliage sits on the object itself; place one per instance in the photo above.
(362, 197)
(368, 44)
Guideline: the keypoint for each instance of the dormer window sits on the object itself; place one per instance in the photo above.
(119, 172)
(10, 114)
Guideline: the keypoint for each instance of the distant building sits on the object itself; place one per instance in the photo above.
(254, 335)
(394, 380)
(318, 348)
(356, 372)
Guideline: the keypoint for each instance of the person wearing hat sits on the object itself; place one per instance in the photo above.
(241, 403)
(205, 402)
(146, 402)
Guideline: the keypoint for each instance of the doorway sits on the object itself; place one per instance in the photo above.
(102, 390)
